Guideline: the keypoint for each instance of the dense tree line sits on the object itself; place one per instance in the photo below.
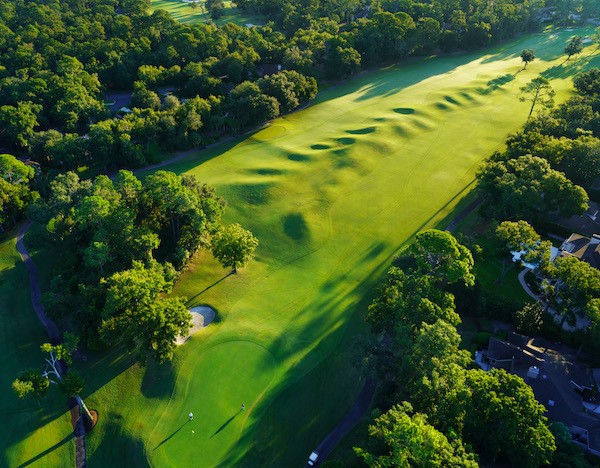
(58, 58)
(124, 237)
(548, 166)
(455, 415)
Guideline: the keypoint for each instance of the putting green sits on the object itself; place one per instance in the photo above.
(332, 192)
(246, 377)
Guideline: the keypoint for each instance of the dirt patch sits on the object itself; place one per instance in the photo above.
(201, 317)
(89, 425)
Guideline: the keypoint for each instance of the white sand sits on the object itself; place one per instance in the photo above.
(201, 317)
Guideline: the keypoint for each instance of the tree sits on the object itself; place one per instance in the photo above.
(574, 46)
(403, 438)
(431, 372)
(503, 417)
(15, 189)
(438, 254)
(529, 318)
(215, 8)
(18, 122)
(36, 384)
(588, 82)
(596, 37)
(521, 237)
(578, 283)
(538, 91)
(568, 454)
(527, 188)
(234, 246)
(528, 55)
(409, 300)
(342, 62)
(143, 97)
(136, 315)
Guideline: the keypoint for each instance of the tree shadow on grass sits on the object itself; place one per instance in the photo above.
(226, 423)
(159, 380)
(41, 455)
(302, 403)
(116, 445)
(191, 299)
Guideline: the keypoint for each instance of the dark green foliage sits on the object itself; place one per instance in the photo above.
(588, 82)
(16, 194)
(527, 188)
(116, 228)
(528, 55)
(574, 46)
(494, 413)
(401, 437)
(503, 416)
(529, 319)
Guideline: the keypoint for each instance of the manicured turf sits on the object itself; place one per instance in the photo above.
(184, 13)
(332, 192)
(28, 432)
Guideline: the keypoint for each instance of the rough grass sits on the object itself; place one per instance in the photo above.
(30, 432)
(332, 193)
(184, 13)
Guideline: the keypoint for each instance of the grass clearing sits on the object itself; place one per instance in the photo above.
(332, 192)
(185, 13)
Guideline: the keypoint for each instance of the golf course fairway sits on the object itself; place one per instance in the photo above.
(331, 192)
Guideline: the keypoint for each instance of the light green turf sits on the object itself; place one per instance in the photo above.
(29, 433)
(332, 192)
(184, 13)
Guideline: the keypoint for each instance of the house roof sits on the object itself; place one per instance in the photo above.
(504, 354)
(582, 247)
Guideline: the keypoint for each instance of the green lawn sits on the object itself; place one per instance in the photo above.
(185, 13)
(332, 192)
(29, 432)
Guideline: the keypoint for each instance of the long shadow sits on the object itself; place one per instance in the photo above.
(173, 434)
(47, 451)
(225, 424)
(298, 404)
(158, 380)
(191, 299)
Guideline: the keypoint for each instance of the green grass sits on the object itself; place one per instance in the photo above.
(29, 432)
(332, 192)
(184, 13)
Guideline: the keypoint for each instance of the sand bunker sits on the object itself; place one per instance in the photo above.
(201, 317)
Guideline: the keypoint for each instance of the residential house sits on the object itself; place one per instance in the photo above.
(583, 247)
(557, 381)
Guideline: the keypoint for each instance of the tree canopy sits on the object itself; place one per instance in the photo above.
(404, 438)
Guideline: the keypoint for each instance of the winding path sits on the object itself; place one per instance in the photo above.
(51, 330)
(34, 286)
